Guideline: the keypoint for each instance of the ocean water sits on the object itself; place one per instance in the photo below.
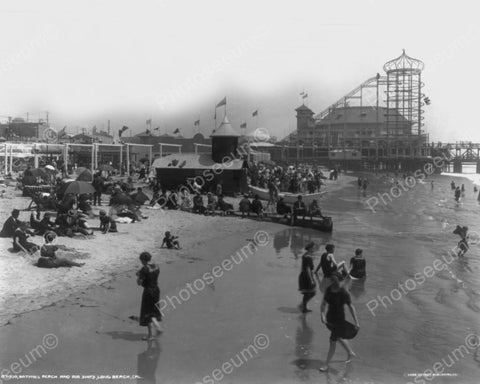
(436, 314)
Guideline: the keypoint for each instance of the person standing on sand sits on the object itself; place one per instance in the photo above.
(457, 194)
(306, 282)
(337, 297)
(150, 314)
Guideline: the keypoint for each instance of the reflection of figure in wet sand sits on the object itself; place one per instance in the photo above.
(281, 240)
(147, 363)
(303, 343)
(306, 281)
(337, 297)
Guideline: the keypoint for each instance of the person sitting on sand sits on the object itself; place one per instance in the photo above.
(198, 206)
(257, 207)
(358, 265)
(314, 209)
(283, 208)
(107, 224)
(462, 245)
(147, 277)
(20, 242)
(11, 224)
(211, 203)
(48, 257)
(336, 297)
(42, 226)
(170, 241)
(244, 206)
(329, 265)
(224, 206)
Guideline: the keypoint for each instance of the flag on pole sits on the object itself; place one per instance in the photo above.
(148, 122)
(302, 93)
(255, 113)
(156, 129)
(223, 102)
(196, 123)
(305, 96)
(244, 125)
(176, 130)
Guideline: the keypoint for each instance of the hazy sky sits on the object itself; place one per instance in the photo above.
(172, 60)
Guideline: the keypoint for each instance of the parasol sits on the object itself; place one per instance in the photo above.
(79, 188)
(86, 175)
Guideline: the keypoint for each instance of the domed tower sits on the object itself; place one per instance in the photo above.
(224, 142)
(404, 97)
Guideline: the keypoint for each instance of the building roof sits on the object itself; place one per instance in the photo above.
(195, 161)
(304, 108)
(359, 115)
(225, 130)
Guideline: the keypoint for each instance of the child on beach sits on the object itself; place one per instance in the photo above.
(170, 241)
(147, 277)
(107, 224)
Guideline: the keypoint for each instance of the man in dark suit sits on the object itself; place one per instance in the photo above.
(11, 224)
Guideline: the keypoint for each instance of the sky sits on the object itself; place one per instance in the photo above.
(87, 62)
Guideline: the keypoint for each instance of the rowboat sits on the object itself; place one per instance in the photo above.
(288, 197)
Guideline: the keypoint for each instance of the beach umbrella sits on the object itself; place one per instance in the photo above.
(50, 167)
(106, 168)
(79, 188)
(86, 175)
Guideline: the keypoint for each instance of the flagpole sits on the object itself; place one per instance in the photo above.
(225, 111)
(256, 120)
(215, 117)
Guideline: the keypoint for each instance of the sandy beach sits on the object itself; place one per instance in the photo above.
(26, 288)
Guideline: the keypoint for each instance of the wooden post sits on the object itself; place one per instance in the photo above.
(121, 159)
(150, 156)
(93, 157)
(6, 159)
(128, 159)
(11, 158)
(65, 158)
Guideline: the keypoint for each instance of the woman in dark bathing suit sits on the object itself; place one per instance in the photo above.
(306, 281)
(358, 265)
(149, 312)
(336, 297)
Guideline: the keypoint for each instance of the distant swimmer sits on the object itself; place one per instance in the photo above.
(458, 193)
(463, 243)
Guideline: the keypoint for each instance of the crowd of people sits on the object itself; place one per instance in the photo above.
(299, 179)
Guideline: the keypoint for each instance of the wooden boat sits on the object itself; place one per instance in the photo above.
(324, 225)
(288, 197)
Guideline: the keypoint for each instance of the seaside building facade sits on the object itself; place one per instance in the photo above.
(224, 163)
